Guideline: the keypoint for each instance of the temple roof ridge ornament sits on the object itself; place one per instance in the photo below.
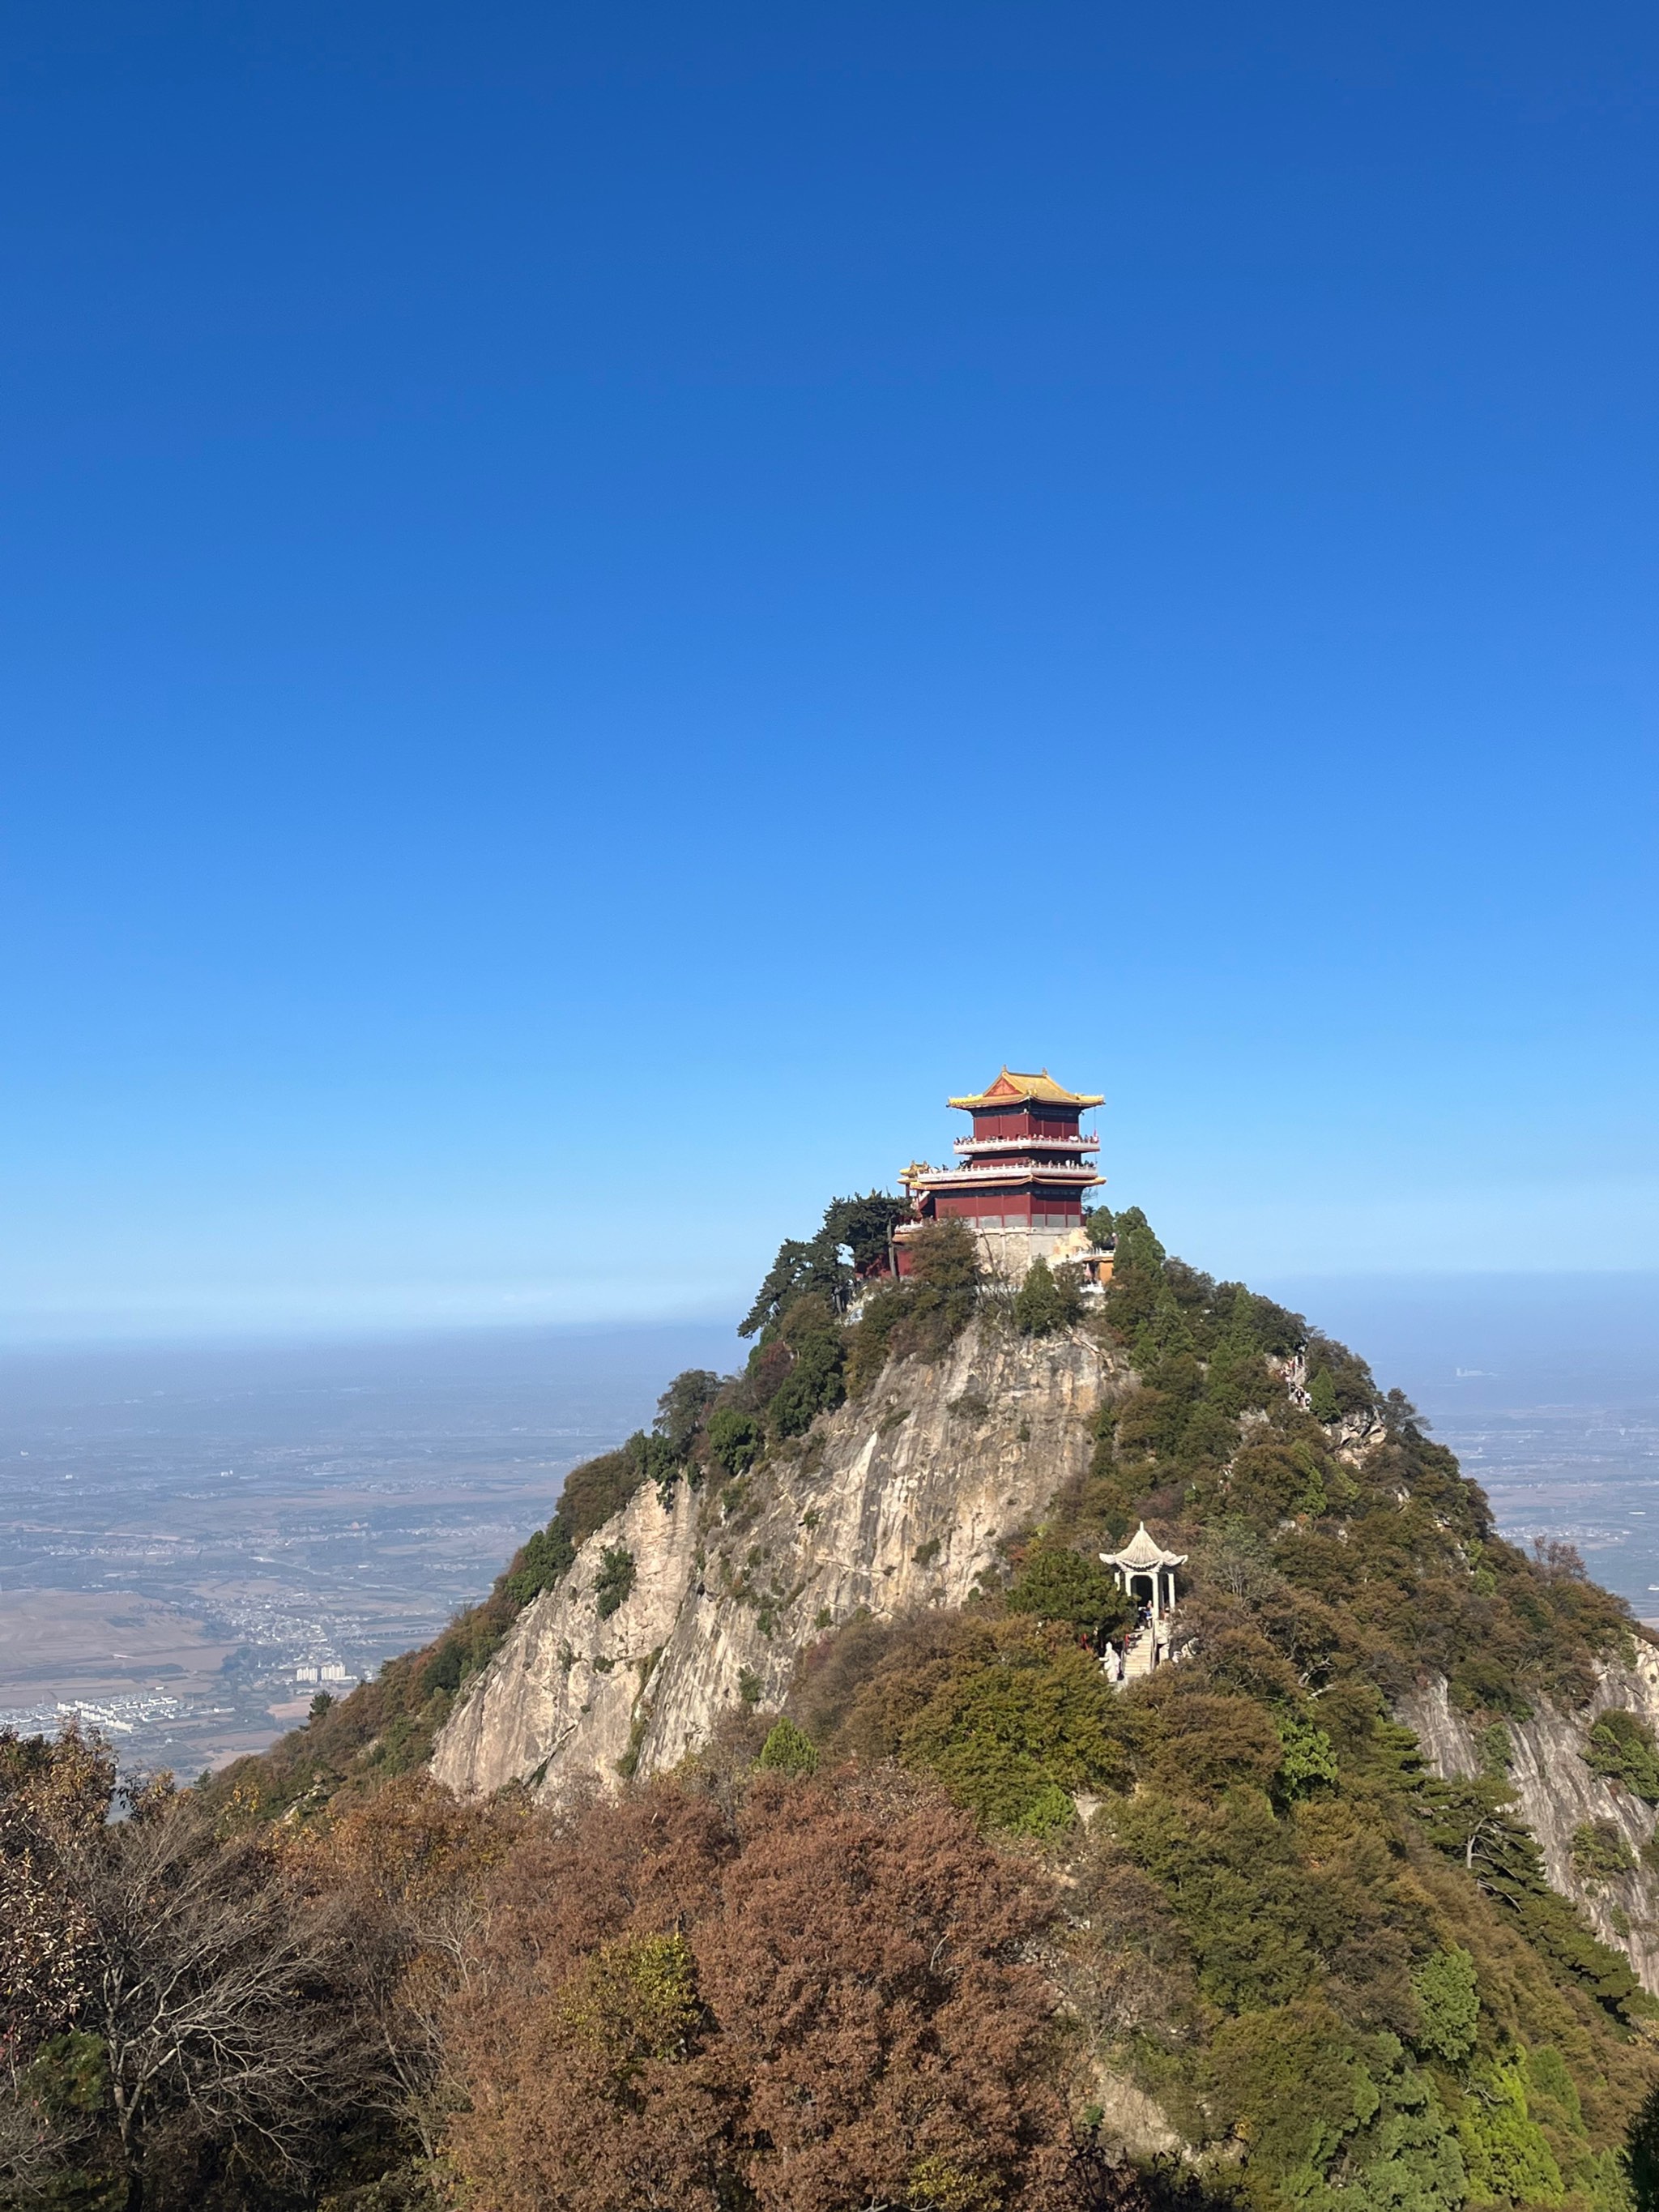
(1013, 1089)
(1142, 1553)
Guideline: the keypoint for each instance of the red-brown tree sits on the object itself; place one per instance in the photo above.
(822, 2004)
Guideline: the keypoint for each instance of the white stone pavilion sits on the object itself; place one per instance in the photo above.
(1146, 1575)
(1146, 1571)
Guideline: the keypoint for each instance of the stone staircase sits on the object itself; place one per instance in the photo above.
(1139, 1654)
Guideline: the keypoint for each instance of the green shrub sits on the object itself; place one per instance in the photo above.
(1013, 1737)
(683, 1407)
(1310, 1762)
(814, 1385)
(1448, 2004)
(1290, 2075)
(632, 2000)
(1352, 1388)
(734, 1439)
(544, 1560)
(1045, 1303)
(939, 2184)
(443, 1670)
(1620, 1746)
(1601, 1851)
(1507, 2155)
(920, 1316)
(1332, 2118)
(1138, 1249)
(788, 1750)
(1057, 1584)
(1497, 1749)
(615, 1579)
(69, 2076)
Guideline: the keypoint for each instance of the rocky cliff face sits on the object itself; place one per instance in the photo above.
(1556, 1793)
(899, 1500)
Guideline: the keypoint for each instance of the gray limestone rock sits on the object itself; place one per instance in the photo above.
(899, 1500)
(1556, 1792)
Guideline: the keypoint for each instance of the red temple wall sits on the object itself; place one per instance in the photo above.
(1025, 1121)
(1012, 1204)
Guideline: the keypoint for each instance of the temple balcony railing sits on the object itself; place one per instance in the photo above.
(1006, 1171)
(1079, 1144)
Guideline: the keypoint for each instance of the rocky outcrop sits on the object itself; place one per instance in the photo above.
(900, 1500)
(1556, 1793)
(1130, 2117)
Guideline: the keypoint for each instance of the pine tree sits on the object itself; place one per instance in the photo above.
(1322, 1394)
(1042, 1306)
(788, 1750)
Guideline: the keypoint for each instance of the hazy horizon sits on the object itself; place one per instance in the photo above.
(1583, 1326)
(1394, 1291)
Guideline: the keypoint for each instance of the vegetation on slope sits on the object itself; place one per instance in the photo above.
(869, 1951)
(1344, 1981)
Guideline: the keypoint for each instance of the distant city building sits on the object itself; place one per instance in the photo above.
(1020, 1180)
(333, 1672)
(306, 1674)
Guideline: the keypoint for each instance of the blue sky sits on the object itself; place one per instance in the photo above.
(600, 605)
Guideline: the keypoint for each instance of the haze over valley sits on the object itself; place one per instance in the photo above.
(183, 1531)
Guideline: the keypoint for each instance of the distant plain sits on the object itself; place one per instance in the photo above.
(1547, 1387)
(182, 1529)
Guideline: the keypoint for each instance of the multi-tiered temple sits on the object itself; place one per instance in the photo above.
(1021, 1176)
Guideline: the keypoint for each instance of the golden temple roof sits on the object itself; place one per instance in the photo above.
(1009, 1089)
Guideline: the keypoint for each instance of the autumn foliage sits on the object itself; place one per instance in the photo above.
(767, 1990)
(824, 2000)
